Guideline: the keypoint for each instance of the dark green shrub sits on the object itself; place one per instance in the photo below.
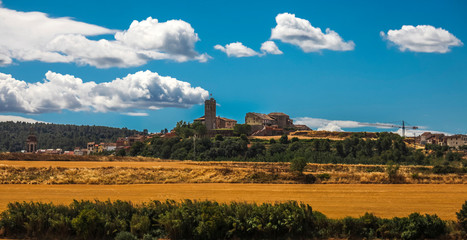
(438, 169)
(462, 217)
(207, 220)
(140, 225)
(298, 164)
(284, 139)
(245, 138)
(89, 224)
(125, 236)
(393, 172)
(420, 227)
(219, 137)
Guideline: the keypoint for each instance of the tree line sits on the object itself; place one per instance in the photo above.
(386, 148)
(211, 220)
(67, 137)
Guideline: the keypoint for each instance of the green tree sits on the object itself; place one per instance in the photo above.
(240, 129)
(137, 149)
(393, 171)
(88, 224)
(298, 164)
(284, 139)
(245, 138)
(140, 225)
(120, 153)
(200, 129)
(125, 236)
(219, 137)
(462, 217)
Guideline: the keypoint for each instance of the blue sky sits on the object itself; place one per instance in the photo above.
(361, 75)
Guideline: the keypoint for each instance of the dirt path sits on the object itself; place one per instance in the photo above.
(333, 200)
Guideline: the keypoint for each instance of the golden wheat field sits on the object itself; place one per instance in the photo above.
(347, 191)
(334, 200)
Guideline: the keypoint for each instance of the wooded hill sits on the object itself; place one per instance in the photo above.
(13, 135)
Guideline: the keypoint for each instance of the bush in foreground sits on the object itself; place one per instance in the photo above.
(203, 220)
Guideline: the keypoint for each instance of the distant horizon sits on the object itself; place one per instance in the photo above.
(343, 126)
(147, 65)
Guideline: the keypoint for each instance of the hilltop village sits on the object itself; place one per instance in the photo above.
(259, 124)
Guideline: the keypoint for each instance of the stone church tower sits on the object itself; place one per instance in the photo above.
(210, 114)
(31, 142)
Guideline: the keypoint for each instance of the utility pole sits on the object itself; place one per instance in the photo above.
(403, 128)
(414, 147)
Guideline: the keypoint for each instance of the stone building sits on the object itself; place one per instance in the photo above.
(275, 123)
(282, 120)
(225, 123)
(432, 138)
(31, 142)
(261, 119)
(210, 114)
(221, 123)
(212, 121)
(456, 141)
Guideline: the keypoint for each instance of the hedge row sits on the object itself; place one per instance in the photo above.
(207, 220)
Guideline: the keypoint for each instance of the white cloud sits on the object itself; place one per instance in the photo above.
(339, 126)
(142, 90)
(422, 38)
(237, 49)
(10, 118)
(300, 32)
(417, 132)
(331, 127)
(136, 114)
(270, 47)
(326, 125)
(29, 36)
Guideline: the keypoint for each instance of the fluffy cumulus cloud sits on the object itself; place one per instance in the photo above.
(422, 38)
(270, 47)
(237, 49)
(139, 91)
(300, 32)
(29, 36)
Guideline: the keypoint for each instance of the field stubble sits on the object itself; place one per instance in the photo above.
(334, 200)
(145, 172)
(143, 180)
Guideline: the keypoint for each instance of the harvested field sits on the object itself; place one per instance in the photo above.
(106, 172)
(336, 201)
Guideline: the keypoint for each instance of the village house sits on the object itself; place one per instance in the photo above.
(432, 138)
(456, 141)
(262, 119)
(50, 151)
(275, 123)
(221, 123)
